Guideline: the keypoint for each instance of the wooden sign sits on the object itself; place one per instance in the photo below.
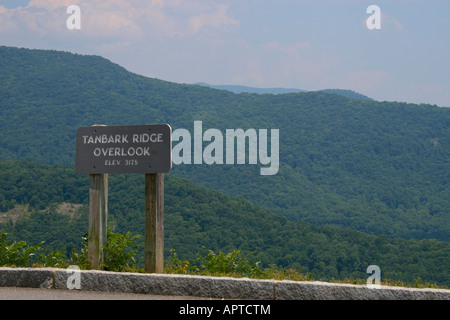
(124, 149)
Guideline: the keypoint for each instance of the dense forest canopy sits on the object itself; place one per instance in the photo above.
(195, 217)
(378, 167)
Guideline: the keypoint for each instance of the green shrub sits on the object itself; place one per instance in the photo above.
(232, 262)
(211, 263)
(118, 254)
(120, 251)
(18, 253)
(55, 258)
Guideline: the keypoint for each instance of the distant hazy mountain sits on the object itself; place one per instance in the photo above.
(241, 89)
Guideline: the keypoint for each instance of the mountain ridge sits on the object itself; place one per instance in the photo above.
(378, 167)
(246, 89)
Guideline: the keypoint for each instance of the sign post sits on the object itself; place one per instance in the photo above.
(126, 149)
(98, 213)
(154, 223)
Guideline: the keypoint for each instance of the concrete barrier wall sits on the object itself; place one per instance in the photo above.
(213, 287)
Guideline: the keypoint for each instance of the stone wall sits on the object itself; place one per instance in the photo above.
(201, 286)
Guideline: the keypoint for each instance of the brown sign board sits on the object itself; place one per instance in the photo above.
(124, 149)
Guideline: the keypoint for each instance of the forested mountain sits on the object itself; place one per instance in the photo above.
(196, 217)
(378, 167)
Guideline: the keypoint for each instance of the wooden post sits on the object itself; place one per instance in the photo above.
(154, 223)
(98, 215)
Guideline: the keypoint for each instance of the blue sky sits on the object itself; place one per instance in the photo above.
(308, 45)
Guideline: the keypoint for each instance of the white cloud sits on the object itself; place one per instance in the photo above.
(215, 19)
(38, 18)
(51, 4)
(118, 19)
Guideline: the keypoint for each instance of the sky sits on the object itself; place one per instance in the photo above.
(302, 44)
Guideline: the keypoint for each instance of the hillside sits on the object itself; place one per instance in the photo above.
(196, 217)
(378, 167)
